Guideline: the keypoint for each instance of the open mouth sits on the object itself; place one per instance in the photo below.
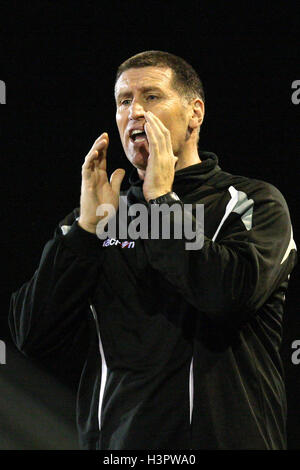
(138, 136)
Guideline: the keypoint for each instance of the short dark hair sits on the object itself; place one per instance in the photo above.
(185, 79)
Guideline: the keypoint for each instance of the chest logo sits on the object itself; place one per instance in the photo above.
(114, 241)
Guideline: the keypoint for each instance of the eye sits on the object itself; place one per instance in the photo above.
(151, 97)
(125, 102)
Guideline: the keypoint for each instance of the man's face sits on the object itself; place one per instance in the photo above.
(148, 89)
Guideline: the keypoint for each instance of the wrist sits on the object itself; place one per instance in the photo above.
(157, 194)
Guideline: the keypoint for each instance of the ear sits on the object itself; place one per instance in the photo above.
(197, 113)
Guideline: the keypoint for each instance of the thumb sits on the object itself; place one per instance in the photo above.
(116, 179)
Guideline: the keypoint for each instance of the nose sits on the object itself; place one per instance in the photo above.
(136, 110)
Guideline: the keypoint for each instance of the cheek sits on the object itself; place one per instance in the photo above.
(178, 132)
(178, 136)
(121, 130)
(120, 120)
(175, 121)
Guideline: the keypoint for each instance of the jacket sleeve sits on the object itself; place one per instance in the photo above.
(48, 314)
(233, 274)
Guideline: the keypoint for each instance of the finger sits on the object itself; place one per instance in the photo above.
(165, 131)
(116, 180)
(153, 145)
(160, 131)
(102, 136)
(99, 151)
(98, 145)
(90, 159)
(155, 119)
(102, 156)
(101, 145)
(154, 125)
(96, 158)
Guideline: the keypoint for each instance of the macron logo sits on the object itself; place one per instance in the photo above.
(114, 241)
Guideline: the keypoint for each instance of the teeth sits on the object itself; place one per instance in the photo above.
(136, 131)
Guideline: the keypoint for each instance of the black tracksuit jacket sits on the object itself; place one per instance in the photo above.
(182, 345)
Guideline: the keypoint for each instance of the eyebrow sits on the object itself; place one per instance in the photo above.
(142, 89)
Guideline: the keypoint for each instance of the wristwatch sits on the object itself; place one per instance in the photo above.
(165, 199)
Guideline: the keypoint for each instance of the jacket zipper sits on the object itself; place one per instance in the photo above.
(103, 367)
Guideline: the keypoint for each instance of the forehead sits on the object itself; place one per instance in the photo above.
(138, 78)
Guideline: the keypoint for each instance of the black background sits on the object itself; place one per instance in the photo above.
(58, 60)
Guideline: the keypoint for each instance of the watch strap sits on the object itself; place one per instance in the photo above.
(165, 199)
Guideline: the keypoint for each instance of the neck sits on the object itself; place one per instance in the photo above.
(188, 159)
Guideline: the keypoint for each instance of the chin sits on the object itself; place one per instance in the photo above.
(140, 161)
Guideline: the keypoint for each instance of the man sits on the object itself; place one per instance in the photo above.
(184, 344)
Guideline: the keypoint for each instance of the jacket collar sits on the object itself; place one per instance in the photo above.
(185, 180)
